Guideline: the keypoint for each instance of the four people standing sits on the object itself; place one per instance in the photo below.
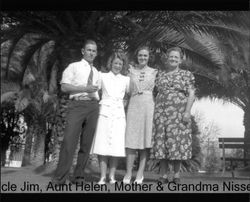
(164, 126)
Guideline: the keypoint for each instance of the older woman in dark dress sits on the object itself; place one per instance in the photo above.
(171, 140)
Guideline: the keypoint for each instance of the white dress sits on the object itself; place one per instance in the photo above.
(109, 139)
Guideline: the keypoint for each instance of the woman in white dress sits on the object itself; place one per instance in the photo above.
(109, 140)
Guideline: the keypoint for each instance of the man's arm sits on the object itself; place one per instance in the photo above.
(69, 88)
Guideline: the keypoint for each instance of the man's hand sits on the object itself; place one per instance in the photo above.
(90, 89)
(186, 117)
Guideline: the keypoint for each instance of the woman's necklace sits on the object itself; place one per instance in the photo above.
(141, 77)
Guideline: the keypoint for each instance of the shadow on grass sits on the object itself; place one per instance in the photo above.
(48, 170)
(8, 171)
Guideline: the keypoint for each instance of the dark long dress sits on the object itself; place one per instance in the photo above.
(171, 136)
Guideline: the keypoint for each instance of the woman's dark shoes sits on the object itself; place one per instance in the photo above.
(177, 180)
(163, 180)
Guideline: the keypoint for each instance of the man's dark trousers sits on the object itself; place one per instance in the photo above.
(79, 112)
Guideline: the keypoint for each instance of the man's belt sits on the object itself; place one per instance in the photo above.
(78, 98)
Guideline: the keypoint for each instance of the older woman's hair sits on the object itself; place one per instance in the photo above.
(177, 49)
(122, 56)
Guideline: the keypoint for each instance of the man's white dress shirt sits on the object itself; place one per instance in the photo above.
(77, 73)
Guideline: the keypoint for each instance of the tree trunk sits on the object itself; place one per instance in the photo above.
(38, 150)
(246, 122)
(3, 154)
(28, 147)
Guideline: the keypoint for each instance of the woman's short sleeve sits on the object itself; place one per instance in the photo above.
(127, 84)
(130, 70)
(158, 72)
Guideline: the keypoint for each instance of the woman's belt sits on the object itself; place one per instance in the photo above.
(147, 92)
(112, 102)
(112, 107)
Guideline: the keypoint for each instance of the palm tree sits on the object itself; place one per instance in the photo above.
(237, 62)
(196, 33)
(52, 39)
(55, 38)
(31, 97)
(216, 46)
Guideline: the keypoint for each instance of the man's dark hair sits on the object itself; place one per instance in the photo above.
(88, 41)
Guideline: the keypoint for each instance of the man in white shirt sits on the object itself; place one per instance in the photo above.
(81, 81)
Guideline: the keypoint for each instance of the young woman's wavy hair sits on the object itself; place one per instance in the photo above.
(122, 56)
(135, 60)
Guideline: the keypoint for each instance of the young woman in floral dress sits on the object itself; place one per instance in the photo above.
(140, 114)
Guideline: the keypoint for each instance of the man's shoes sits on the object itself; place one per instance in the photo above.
(55, 182)
(78, 180)
(163, 180)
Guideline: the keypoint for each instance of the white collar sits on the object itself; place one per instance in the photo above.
(117, 75)
(85, 61)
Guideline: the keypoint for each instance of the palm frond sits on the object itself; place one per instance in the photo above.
(218, 23)
(11, 50)
(28, 79)
(52, 84)
(23, 99)
(7, 86)
(30, 52)
(236, 18)
(46, 25)
(71, 20)
(8, 96)
(58, 24)
(49, 62)
(219, 30)
(169, 37)
(206, 55)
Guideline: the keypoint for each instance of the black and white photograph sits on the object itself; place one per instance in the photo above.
(125, 101)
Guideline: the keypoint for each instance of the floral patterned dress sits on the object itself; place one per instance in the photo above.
(171, 136)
